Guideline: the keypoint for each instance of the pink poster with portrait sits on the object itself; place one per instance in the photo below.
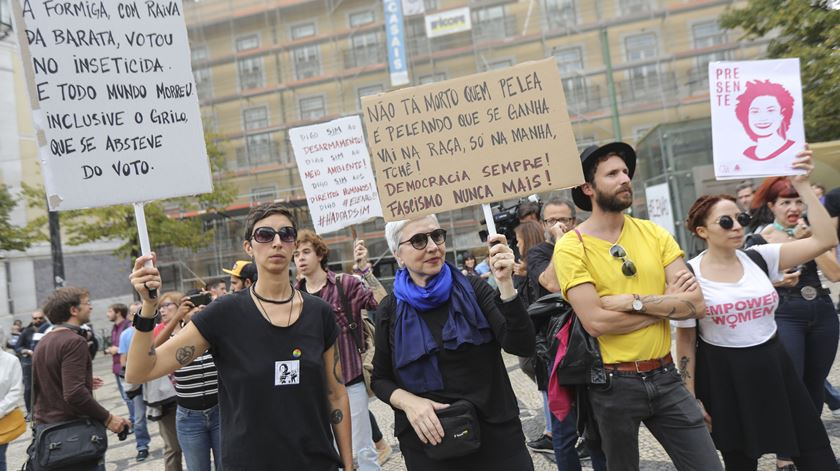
(757, 126)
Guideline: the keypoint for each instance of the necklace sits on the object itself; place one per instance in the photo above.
(265, 313)
(790, 231)
(273, 301)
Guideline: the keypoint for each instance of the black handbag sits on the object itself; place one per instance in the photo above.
(461, 432)
(65, 444)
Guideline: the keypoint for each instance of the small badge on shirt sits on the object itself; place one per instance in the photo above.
(286, 372)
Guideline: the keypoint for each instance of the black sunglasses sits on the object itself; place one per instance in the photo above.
(265, 235)
(727, 223)
(421, 240)
(627, 265)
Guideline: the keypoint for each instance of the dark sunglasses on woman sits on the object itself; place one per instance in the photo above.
(421, 240)
(727, 223)
(265, 235)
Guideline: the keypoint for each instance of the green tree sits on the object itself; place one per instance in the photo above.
(117, 222)
(809, 30)
(15, 237)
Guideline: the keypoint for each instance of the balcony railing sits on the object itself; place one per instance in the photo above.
(583, 99)
(495, 29)
(362, 56)
(651, 87)
(252, 78)
(307, 69)
(255, 155)
(698, 80)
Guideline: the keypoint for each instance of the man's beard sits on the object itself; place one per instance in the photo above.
(613, 203)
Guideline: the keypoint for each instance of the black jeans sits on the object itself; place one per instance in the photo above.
(809, 331)
(672, 415)
(26, 368)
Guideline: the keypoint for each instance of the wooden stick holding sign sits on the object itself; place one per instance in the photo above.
(143, 235)
(488, 217)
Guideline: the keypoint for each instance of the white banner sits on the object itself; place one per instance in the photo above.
(334, 166)
(114, 101)
(448, 22)
(757, 126)
(659, 206)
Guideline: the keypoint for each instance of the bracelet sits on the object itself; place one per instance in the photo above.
(512, 297)
(362, 272)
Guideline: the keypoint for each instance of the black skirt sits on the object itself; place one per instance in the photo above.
(757, 402)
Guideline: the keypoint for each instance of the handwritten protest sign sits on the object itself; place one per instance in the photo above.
(486, 137)
(334, 166)
(113, 101)
(659, 206)
(757, 127)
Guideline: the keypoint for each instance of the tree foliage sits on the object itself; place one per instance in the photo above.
(809, 30)
(14, 237)
(117, 222)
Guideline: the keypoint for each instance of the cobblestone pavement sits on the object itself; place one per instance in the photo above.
(653, 458)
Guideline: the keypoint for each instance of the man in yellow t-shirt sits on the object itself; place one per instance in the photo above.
(614, 270)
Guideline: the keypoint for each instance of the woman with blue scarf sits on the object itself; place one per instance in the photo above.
(439, 340)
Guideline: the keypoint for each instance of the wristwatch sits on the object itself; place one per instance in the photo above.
(638, 305)
(143, 324)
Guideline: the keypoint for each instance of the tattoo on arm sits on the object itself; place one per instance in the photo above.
(653, 300)
(152, 350)
(375, 285)
(336, 417)
(337, 367)
(684, 375)
(185, 354)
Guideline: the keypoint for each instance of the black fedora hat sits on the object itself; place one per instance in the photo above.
(590, 155)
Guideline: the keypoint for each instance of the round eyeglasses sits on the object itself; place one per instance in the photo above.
(421, 240)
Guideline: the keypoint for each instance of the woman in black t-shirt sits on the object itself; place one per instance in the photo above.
(439, 341)
(281, 396)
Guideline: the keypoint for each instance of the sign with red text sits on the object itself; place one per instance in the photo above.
(659, 206)
(334, 166)
(113, 100)
(478, 139)
(757, 125)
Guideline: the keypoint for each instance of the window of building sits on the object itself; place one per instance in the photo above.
(706, 34)
(497, 64)
(252, 41)
(250, 73)
(199, 53)
(368, 90)
(491, 23)
(255, 118)
(307, 62)
(634, 7)
(203, 84)
(303, 31)
(430, 4)
(366, 49)
(257, 151)
(560, 14)
(314, 107)
(578, 95)
(642, 47)
(432, 78)
(263, 193)
(360, 18)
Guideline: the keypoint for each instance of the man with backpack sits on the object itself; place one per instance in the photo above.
(613, 269)
(348, 296)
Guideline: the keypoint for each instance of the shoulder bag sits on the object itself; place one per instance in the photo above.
(12, 425)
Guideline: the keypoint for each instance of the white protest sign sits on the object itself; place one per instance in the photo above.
(659, 206)
(113, 101)
(334, 166)
(757, 126)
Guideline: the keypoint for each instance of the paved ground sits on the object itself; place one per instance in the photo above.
(653, 457)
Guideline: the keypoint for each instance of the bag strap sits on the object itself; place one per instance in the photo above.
(758, 260)
(348, 314)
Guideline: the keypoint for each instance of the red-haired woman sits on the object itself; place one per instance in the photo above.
(745, 379)
(765, 110)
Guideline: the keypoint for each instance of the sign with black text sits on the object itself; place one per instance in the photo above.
(113, 100)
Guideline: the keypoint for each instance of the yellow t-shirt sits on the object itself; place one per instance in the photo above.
(651, 248)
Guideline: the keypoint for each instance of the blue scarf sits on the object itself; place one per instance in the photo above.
(415, 348)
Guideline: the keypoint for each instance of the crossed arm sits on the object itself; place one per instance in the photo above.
(614, 314)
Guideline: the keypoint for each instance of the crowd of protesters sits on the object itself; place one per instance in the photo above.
(279, 372)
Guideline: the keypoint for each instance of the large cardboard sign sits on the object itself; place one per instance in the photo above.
(334, 166)
(477, 139)
(113, 101)
(659, 206)
(757, 126)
